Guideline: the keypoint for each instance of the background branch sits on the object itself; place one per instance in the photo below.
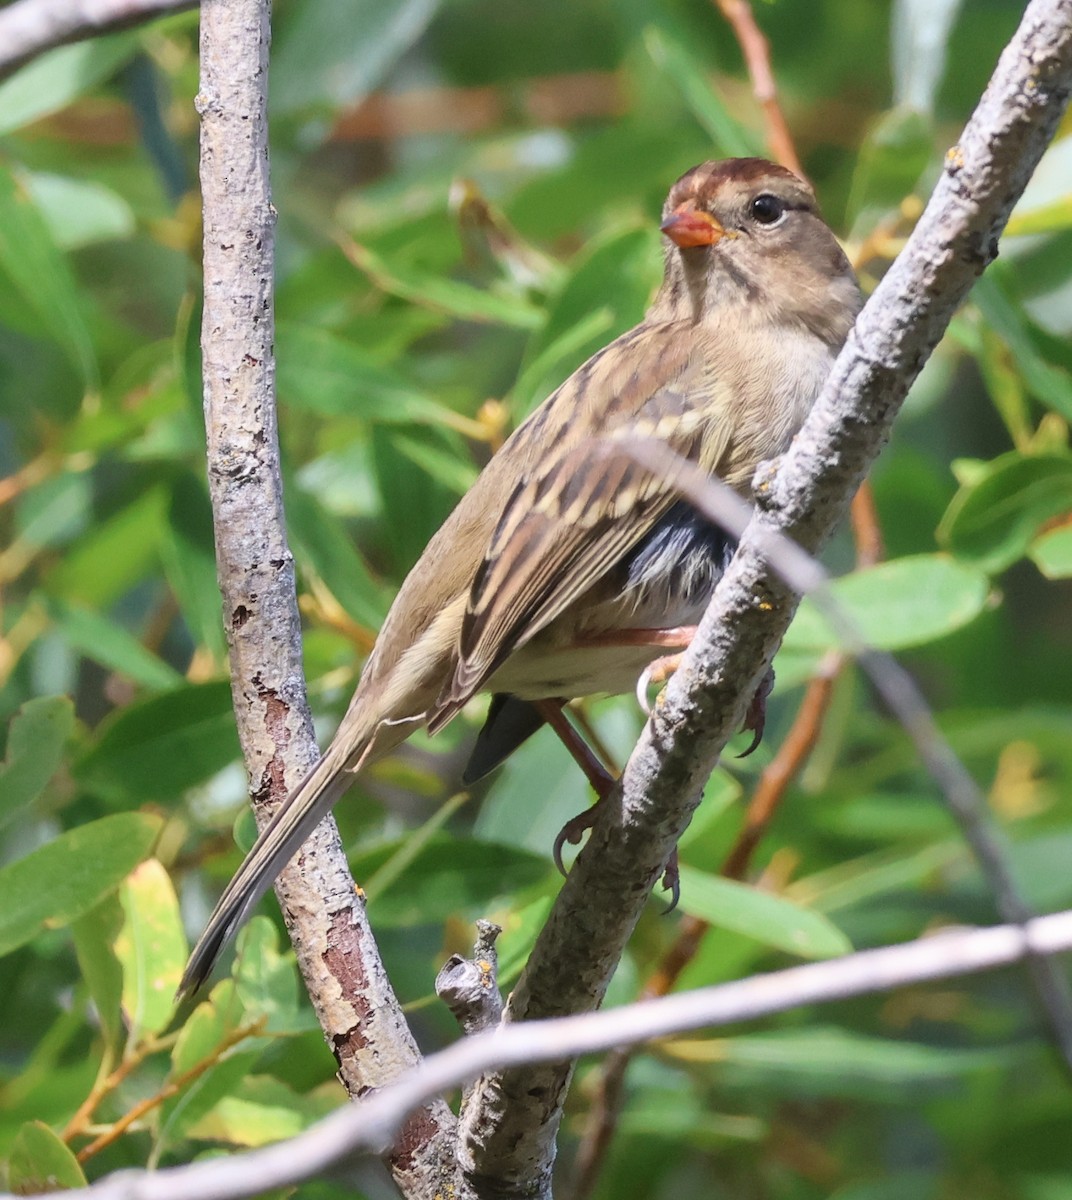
(30, 27)
(371, 1124)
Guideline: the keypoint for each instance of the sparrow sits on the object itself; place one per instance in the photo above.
(567, 569)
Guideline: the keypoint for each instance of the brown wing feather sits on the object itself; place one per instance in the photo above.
(575, 515)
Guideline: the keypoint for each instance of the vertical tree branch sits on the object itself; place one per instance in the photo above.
(355, 1005)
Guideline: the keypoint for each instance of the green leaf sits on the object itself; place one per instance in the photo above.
(41, 1162)
(907, 602)
(267, 980)
(1005, 384)
(95, 935)
(80, 212)
(1054, 217)
(920, 38)
(447, 876)
(458, 300)
(671, 53)
(772, 920)
(314, 68)
(1052, 384)
(260, 1110)
(1051, 552)
(189, 559)
(890, 162)
(826, 1061)
(53, 80)
(202, 1049)
(994, 520)
(36, 737)
(860, 880)
(151, 947)
(104, 641)
(114, 555)
(158, 748)
(41, 274)
(80, 868)
(323, 373)
(439, 461)
(414, 503)
(320, 539)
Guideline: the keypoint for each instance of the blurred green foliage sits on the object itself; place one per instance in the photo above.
(419, 318)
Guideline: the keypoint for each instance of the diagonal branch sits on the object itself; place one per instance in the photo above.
(30, 27)
(511, 1126)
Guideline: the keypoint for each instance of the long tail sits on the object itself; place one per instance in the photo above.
(296, 818)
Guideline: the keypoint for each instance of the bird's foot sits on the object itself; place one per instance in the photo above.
(756, 718)
(572, 832)
(672, 881)
(655, 674)
(596, 773)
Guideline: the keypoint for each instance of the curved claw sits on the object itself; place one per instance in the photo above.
(656, 672)
(757, 713)
(671, 881)
(757, 737)
(571, 833)
(643, 684)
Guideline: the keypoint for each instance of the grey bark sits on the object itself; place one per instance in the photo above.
(357, 1009)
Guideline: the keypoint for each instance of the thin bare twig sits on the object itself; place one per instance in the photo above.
(371, 1124)
(756, 51)
(866, 528)
(171, 1088)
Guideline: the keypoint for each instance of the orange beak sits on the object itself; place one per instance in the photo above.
(690, 226)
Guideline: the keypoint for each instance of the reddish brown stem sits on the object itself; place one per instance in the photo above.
(866, 530)
(756, 51)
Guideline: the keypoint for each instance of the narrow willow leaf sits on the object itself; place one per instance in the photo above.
(906, 602)
(151, 947)
(772, 920)
(163, 745)
(40, 272)
(35, 740)
(41, 1161)
(994, 520)
(81, 867)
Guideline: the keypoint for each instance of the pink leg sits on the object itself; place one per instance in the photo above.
(659, 671)
(553, 712)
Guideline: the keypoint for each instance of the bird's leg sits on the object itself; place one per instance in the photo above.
(553, 712)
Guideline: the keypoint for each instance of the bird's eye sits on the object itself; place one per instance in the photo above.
(767, 209)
